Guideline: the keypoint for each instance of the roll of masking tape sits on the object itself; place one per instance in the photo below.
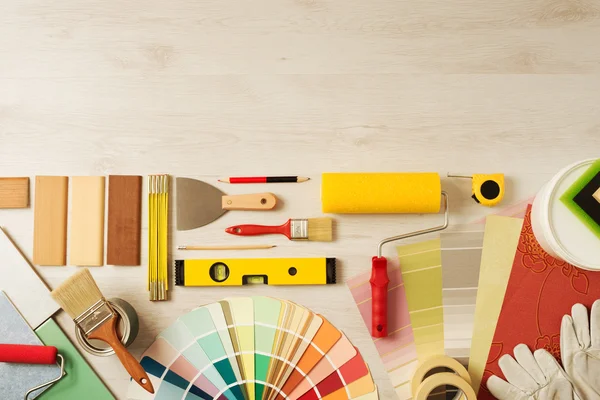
(438, 362)
(444, 379)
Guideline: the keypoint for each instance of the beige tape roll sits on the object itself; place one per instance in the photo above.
(438, 362)
(441, 379)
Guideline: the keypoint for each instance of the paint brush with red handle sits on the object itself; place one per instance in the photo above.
(313, 229)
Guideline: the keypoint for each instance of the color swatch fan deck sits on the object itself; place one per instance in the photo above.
(255, 348)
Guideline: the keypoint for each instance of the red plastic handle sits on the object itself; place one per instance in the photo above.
(379, 292)
(254, 230)
(27, 354)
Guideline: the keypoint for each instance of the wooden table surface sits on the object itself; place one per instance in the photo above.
(216, 88)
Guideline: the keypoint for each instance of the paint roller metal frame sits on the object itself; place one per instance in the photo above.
(62, 373)
(379, 278)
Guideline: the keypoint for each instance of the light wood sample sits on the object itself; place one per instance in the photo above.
(14, 192)
(50, 220)
(87, 221)
(124, 220)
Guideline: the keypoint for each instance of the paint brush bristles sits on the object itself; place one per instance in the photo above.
(78, 293)
(320, 229)
(81, 298)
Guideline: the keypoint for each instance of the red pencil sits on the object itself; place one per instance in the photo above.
(265, 179)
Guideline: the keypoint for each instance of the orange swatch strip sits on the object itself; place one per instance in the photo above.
(327, 336)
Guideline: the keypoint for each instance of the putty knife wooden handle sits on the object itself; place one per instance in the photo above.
(107, 332)
(250, 202)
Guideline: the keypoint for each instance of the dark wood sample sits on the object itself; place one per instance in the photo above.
(124, 220)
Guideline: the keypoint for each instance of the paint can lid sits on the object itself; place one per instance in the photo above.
(570, 239)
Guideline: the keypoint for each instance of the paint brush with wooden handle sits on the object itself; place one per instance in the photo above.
(81, 298)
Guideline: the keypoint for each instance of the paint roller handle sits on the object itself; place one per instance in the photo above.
(28, 354)
(379, 288)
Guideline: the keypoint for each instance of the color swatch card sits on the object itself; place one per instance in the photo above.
(421, 266)
(17, 379)
(341, 381)
(80, 381)
(253, 348)
(499, 246)
(540, 291)
(324, 340)
(461, 259)
(397, 350)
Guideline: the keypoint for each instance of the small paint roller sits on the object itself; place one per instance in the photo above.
(383, 193)
(32, 354)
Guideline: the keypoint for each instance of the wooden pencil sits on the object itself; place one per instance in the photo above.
(228, 247)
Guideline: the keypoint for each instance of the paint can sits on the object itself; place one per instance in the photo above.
(560, 233)
(127, 328)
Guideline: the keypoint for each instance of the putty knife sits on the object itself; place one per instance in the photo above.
(199, 203)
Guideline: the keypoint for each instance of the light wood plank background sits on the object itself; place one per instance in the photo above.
(220, 87)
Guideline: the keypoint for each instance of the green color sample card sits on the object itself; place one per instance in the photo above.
(266, 314)
(200, 324)
(80, 381)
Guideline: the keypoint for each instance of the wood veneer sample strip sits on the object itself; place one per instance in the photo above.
(50, 220)
(87, 221)
(124, 220)
(14, 192)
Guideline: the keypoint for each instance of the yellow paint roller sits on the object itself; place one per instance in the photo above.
(383, 193)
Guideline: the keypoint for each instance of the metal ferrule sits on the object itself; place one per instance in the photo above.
(299, 229)
(158, 291)
(95, 316)
(421, 232)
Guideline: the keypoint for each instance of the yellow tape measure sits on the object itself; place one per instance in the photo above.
(488, 189)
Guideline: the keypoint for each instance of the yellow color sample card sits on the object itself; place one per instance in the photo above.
(421, 266)
(500, 242)
(242, 314)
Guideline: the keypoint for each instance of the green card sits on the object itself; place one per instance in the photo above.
(80, 381)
